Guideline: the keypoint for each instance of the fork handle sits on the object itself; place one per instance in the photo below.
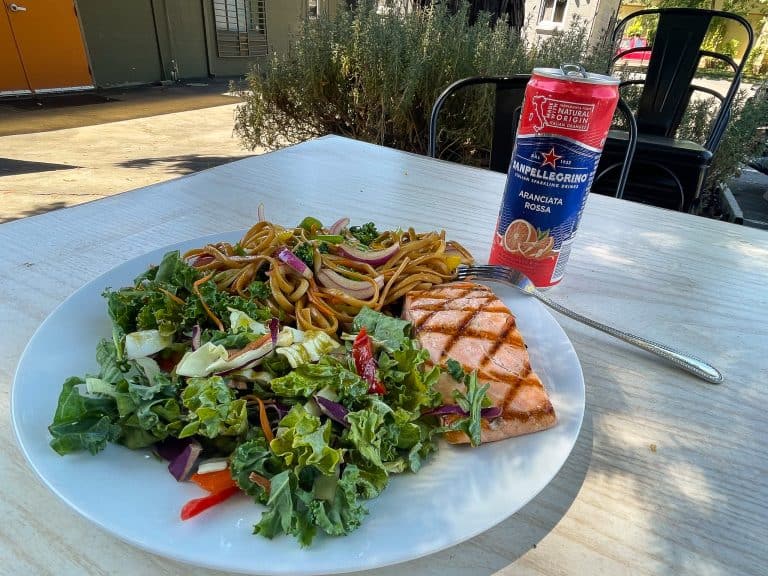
(687, 362)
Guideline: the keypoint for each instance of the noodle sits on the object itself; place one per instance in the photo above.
(341, 285)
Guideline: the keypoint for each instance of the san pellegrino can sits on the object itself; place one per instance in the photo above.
(564, 121)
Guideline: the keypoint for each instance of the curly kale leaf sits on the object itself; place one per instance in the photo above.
(366, 233)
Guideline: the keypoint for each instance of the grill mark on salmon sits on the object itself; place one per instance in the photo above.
(455, 332)
(455, 336)
(531, 415)
(469, 323)
(508, 327)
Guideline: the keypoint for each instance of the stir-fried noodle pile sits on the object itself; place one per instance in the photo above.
(344, 275)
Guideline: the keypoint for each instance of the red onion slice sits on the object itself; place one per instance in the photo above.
(171, 447)
(372, 257)
(445, 409)
(339, 225)
(181, 466)
(274, 329)
(490, 413)
(196, 332)
(360, 289)
(333, 410)
(487, 413)
(294, 262)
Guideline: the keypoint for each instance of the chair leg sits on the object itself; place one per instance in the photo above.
(631, 145)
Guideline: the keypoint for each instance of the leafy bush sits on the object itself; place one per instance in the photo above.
(743, 140)
(374, 77)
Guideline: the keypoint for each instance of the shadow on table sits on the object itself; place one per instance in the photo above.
(12, 167)
(184, 164)
(39, 209)
(504, 544)
(682, 457)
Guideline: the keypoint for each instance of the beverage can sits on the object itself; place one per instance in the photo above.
(564, 121)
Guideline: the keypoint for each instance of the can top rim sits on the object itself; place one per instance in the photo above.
(585, 77)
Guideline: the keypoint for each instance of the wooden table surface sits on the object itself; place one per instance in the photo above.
(669, 474)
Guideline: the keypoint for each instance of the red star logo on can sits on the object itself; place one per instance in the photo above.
(550, 158)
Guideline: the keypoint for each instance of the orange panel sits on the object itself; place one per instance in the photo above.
(50, 42)
(12, 78)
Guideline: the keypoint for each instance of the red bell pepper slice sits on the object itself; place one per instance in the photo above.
(365, 363)
(198, 505)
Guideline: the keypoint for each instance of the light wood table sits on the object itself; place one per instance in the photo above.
(669, 474)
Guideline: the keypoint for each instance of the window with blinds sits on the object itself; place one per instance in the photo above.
(241, 28)
(552, 11)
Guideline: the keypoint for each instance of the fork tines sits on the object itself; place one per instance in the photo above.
(487, 272)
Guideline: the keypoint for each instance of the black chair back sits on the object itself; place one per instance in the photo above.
(667, 171)
(508, 102)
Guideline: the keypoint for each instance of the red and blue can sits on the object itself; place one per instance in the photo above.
(564, 121)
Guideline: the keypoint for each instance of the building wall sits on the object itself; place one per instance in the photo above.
(121, 41)
(597, 15)
(148, 41)
(183, 38)
(285, 17)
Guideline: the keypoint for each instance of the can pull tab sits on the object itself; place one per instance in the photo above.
(574, 70)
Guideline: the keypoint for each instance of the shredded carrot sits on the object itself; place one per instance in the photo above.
(258, 343)
(214, 481)
(172, 296)
(211, 315)
(264, 421)
(260, 480)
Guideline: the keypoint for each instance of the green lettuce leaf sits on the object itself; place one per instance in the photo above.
(214, 411)
(87, 433)
(163, 298)
(112, 369)
(410, 384)
(287, 510)
(307, 379)
(219, 302)
(176, 272)
(364, 431)
(371, 480)
(228, 340)
(254, 456)
(82, 422)
(147, 411)
(303, 441)
(388, 331)
(344, 513)
(278, 518)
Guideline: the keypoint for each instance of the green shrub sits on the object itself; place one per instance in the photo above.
(375, 77)
(743, 140)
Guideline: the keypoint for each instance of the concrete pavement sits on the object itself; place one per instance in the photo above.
(47, 170)
(75, 109)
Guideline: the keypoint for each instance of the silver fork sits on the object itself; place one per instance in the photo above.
(694, 365)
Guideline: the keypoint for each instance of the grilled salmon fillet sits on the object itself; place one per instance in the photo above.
(468, 322)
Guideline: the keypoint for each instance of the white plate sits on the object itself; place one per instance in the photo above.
(457, 495)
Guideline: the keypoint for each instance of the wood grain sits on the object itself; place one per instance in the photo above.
(669, 475)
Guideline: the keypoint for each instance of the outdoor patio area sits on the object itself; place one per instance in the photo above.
(384, 287)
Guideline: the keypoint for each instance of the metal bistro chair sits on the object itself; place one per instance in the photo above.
(509, 95)
(668, 171)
